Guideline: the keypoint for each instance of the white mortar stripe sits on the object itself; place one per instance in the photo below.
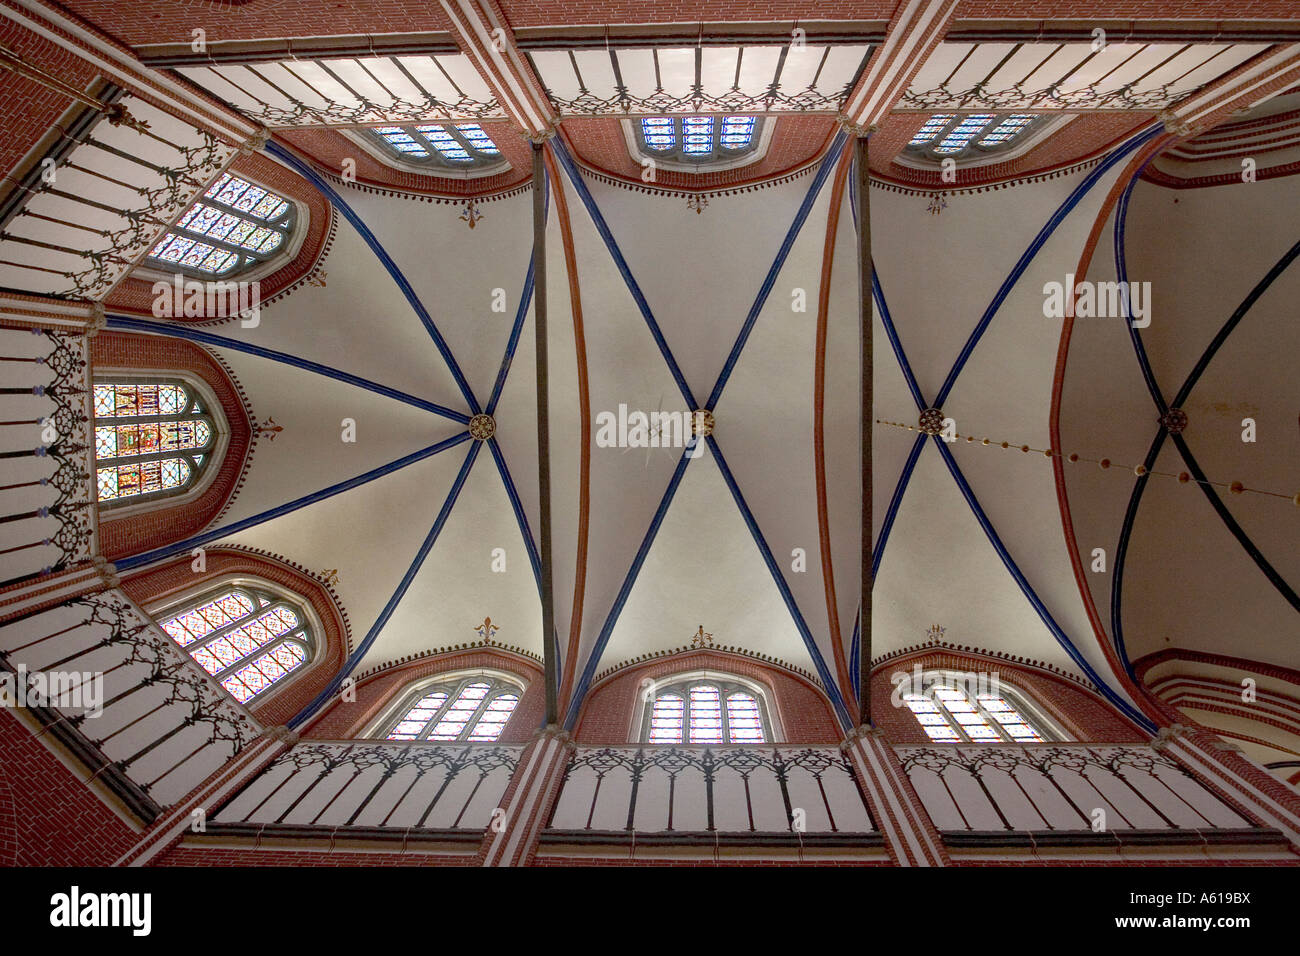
(530, 786)
(497, 837)
(890, 831)
(913, 816)
(1264, 805)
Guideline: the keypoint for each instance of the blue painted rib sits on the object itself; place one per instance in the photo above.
(1032, 597)
(878, 552)
(823, 171)
(1034, 247)
(403, 586)
(855, 652)
(520, 515)
(598, 219)
(348, 213)
(832, 688)
(180, 547)
(516, 329)
(190, 333)
(1121, 274)
(606, 629)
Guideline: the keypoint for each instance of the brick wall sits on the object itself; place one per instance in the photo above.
(177, 578)
(48, 817)
(30, 109)
(346, 720)
(1082, 714)
(136, 533)
(806, 714)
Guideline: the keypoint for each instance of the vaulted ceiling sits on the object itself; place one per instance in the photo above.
(748, 305)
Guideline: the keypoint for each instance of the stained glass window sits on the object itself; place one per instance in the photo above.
(953, 135)
(451, 146)
(705, 711)
(152, 439)
(697, 139)
(247, 638)
(949, 712)
(232, 227)
(468, 708)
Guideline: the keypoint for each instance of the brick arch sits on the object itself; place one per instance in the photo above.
(599, 143)
(177, 577)
(1083, 714)
(135, 296)
(807, 716)
(344, 720)
(124, 535)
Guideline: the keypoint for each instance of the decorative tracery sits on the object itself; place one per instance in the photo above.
(949, 713)
(451, 146)
(951, 135)
(152, 439)
(472, 709)
(234, 226)
(698, 139)
(248, 638)
(705, 711)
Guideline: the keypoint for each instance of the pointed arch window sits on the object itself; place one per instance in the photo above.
(698, 139)
(952, 135)
(248, 638)
(949, 711)
(449, 146)
(472, 709)
(705, 711)
(234, 226)
(153, 439)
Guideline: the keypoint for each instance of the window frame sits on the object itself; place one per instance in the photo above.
(219, 428)
(500, 683)
(764, 125)
(1049, 730)
(383, 151)
(973, 155)
(296, 220)
(681, 683)
(308, 621)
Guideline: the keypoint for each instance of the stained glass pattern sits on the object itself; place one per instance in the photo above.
(951, 135)
(233, 226)
(149, 439)
(948, 714)
(459, 146)
(246, 638)
(704, 712)
(698, 138)
(474, 709)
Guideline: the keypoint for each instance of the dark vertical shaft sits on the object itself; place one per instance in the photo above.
(865, 424)
(543, 435)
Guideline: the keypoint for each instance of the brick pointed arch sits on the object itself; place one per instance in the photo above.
(1084, 715)
(123, 535)
(178, 578)
(344, 720)
(135, 295)
(806, 713)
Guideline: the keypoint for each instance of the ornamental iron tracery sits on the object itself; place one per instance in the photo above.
(1061, 787)
(387, 785)
(740, 787)
(144, 674)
